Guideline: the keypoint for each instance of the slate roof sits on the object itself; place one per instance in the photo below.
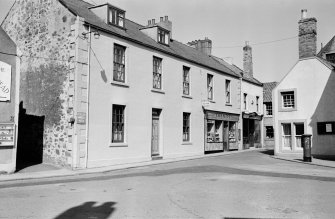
(134, 34)
(238, 71)
(330, 46)
(267, 91)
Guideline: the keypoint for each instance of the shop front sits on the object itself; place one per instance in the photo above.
(221, 131)
(251, 130)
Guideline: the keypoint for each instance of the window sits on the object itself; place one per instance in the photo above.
(157, 73)
(116, 16)
(331, 57)
(118, 123)
(163, 36)
(186, 80)
(119, 63)
(210, 86)
(326, 128)
(299, 130)
(288, 99)
(269, 133)
(286, 135)
(257, 103)
(214, 131)
(245, 101)
(268, 109)
(227, 91)
(186, 126)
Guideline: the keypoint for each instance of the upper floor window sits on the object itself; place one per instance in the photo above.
(268, 109)
(288, 99)
(331, 57)
(210, 86)
(227, 91)
(257, 103)
(116, 17)
(163, 36)
(245, 101)
(186, 80)
(119, 63)
(157, 73)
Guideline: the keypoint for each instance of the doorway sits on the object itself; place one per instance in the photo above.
(155, 135)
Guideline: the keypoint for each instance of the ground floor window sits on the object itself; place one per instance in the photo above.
(269, 133)
(286, 135)
(186, 126)
(214, 131)
(299, 130)
(232, 132)
(118, 123)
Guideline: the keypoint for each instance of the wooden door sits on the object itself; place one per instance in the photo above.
(155, 137)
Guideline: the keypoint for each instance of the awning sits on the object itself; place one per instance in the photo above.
(252, 115)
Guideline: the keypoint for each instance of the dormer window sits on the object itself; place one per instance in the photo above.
(116, 16)
(163, 36)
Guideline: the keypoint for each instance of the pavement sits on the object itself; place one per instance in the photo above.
(44, 171)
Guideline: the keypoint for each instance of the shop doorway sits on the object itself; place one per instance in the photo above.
(155, 135)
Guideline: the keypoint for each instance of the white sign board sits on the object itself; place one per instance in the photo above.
(329, 128)
(5, 81)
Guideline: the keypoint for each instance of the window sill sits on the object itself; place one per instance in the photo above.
(120, 84)
(287, 109)
(157, 91)
(229, 104)
(118, 144)
(269, 116)
(187, 143)
(212, 101)
(187, 96)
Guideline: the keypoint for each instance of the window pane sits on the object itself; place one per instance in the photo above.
(186, 126)
(118, 123)
(288, 99)
(299, 129)
(269, 132)
(286, 129)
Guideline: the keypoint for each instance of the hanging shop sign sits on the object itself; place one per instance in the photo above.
(5, 81)
(7, 133)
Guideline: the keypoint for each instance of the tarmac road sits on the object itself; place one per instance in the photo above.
(240, 185)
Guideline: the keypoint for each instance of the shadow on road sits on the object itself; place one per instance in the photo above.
(88, 210)
(268, 152)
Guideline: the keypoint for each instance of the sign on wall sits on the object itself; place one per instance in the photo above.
(7, 133)
(5, 81)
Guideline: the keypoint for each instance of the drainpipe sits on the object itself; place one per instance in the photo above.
(88, 93)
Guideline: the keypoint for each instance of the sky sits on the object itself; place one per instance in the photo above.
(270, 26)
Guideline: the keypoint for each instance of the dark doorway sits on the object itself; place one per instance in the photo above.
(30, 139)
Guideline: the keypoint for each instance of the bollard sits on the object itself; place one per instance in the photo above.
(307, 147)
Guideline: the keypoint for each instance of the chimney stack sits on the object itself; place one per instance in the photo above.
(247, 59)
(307, 36)
(204, 46)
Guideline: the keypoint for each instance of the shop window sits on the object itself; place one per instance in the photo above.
(269, 132)
(299, 130)
(214, 131)
(116, 17)
(157, 73)
(232, 132)
(210, 86)
(186, 80)
(118, 123)
(163, 36)
(286, 135)
(268, 109)
(228, 91)
(119, 63)
(186, 127)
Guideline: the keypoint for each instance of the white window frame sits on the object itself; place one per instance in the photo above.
(228, 91)
(210, 84)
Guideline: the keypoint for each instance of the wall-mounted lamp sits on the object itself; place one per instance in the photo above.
(96, 34)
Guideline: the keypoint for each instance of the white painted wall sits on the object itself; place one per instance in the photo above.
(315, 85)
(140, 99)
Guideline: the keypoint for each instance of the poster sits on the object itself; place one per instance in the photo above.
(5, 81)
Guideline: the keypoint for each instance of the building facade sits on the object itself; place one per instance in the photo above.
(99, 89)
(268, 128)
(306, 108)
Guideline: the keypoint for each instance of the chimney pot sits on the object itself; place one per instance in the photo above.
(166, 18)
(303, 13)
(247, 43)
(149, 22)
(153, 21)
(161, 19)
